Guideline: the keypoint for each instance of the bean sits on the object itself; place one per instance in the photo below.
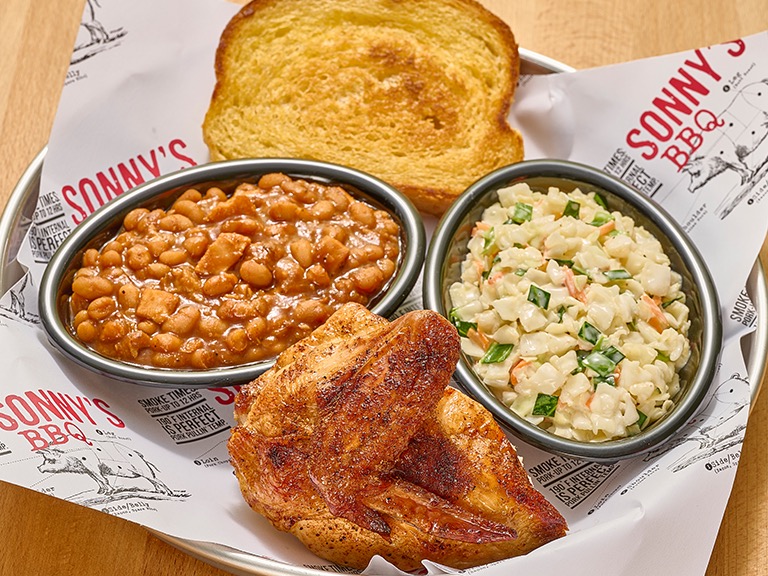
(202, 358)
(192, 344)
(245, 226)
(362, 213)
(323, 210)
(128, 296)
(216, 280)
(313, 312)
(90, 257)
(92, 287)
(157, 270)
(164, 342)
(256, 328)
(293, 186)
(191, 195)
(190, 210)
(87, 331)
(215, 193)
(175, 223)
(114, 245)
(110, 258)
(147, 326)
(387, 267)
(138, 257)
(80, 317)
(256, 274)
(211, 327)
(148, 223)
(267, 181)
(391, 250)
(282, 210)
(368, 279)
(336, 232)
(173, 257)
(219, 285)
(236, 339)
(302, 252)
(133, 217)
(102, 308)
(196, 245)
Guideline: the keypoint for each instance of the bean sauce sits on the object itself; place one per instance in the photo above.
(219, 280)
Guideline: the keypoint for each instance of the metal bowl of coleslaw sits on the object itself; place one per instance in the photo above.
(447, 266)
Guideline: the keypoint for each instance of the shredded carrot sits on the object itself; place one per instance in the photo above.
(570, 283)
(495, 278)
(658, 320)
(522, 363)
(478, 338)
(480, 267)
(589, 401)
(607, 227)
(480, 227)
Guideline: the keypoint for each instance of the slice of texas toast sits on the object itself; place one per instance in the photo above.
(416, 92)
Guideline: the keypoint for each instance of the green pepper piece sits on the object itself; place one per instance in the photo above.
(617, 275)
(496, 353)
(461, 326)
(600, 363)
(601, 218)
(539, 297)
(489, 240)
(601, 201)
(589, 333)
(523, 213)
(545, 405)
(572, 209)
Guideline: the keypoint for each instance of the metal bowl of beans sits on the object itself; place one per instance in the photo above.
(591, 364)
(202, 277)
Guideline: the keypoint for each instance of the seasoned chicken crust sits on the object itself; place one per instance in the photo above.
(355, 444)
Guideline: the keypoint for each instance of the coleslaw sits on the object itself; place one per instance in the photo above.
(571, 314)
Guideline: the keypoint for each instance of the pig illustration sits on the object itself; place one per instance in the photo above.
(744, 126)
(99, 461)
(703, 168)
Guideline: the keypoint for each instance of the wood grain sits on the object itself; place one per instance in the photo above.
(42, 535)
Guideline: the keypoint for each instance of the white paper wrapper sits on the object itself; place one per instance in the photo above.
(136, 93)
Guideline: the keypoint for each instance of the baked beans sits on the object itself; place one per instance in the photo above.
(218, 280)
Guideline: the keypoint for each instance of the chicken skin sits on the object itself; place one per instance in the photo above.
(355, 443)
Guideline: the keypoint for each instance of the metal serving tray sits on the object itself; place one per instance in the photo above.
(18, 216)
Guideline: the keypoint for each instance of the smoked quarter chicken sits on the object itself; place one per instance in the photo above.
(355, 444)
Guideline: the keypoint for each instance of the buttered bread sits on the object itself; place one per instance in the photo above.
(415, 92)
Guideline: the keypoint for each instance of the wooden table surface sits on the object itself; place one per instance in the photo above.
(42, 535)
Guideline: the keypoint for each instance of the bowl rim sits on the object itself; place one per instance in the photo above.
(687, 406)
(390, 198)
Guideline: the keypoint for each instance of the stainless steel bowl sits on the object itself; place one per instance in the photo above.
(161, 192)
(449, 246)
